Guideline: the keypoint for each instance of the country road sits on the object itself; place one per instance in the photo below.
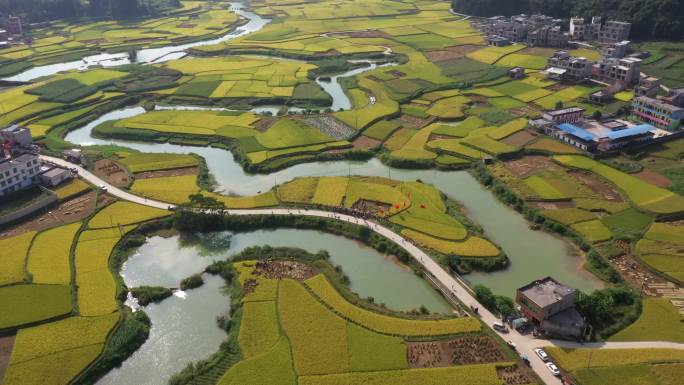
(525, 343)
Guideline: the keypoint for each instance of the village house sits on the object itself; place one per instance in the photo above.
(657, 113)
(675, 97)
(562, 66)
(614, 31)
(550, 306)
(625, 71)
(571, 126)
(648, 86)
(18, 173)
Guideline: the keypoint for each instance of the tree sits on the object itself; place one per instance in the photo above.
(559, 105)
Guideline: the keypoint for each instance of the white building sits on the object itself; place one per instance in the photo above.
(18, 173)
(16, 134)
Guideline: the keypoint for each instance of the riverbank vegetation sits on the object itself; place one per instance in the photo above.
(290, 306)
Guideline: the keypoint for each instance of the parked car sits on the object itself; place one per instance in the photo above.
(553, 368)
(498, 326)
(542, 354)
(511, 344)
(525, 359)
(103, 187)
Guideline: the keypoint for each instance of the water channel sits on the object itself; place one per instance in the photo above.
(145, 56)
(184, 325)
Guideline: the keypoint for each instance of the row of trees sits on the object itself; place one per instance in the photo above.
(651, 19)
(42, 10)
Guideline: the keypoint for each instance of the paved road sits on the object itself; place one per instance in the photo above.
(525, 343)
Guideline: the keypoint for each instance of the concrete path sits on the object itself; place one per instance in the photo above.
(525, 343)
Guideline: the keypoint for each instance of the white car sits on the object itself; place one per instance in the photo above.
(553, 368)
(103, 187)
(542, 354)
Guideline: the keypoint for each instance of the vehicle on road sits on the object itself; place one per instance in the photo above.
(102, 187)
(553, 368)
(500, 327)
(525, 359)
(542, 354)
(511, 344)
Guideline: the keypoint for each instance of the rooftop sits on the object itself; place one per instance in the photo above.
(658, 103)
(565, 111)
(547, 291)
(53, 172)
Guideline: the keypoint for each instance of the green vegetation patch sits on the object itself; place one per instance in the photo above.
(641, 193)
(381, 130)
(568, 216)
(25, 304)
(659, 321)
(593, 231)
(627, 222)
(62, 91)
(140, 162)
(14, 251)
(370, 351)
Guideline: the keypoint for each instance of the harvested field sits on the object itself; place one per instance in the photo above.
(6, 344)
(654, 178)
(528, 165)
(553, 205)
(331, 127)
(364, 143)
(167, 173)
(284, 269)
(459, 351)
(371, 207)
(412, 121)
(112, 172)
(70, 211)
(599, 186)
(449, 53)
(519, 139)
(514, 375)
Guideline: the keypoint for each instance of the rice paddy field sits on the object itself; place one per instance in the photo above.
(629, 366)
(304, 331)
(64, 41)
(439, 98)
(67, 312)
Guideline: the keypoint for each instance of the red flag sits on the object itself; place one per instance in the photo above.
(397, 206)
(422, 206)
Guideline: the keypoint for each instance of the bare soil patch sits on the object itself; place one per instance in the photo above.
(112, 172)
(451, 52)
(439, 136)
(515, 375)
(66, 212)
(412, 121)
(519, 139)
(556, 87)
(6, 344)
(553, 205)
(264, 123)
(396, 73)
(530, 164)
(643, 279)
(459, 351)
(478, 98)
(371, 207)
(278, 270)
(599, 186)
(364, 142)
(654, 178)
(164, 173)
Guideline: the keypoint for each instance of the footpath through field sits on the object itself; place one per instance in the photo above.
(525, 343)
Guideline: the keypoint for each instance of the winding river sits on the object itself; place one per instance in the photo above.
(187, 320)
(184, 325)
(145, 56)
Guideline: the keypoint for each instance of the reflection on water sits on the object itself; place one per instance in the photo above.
(184, 326)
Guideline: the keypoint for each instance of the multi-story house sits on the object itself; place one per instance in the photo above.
(657, 113)
(612, 70)
(648, 86)
(18, 173)
(563, 66)
(614, 31)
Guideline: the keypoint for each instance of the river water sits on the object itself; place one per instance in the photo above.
(184, 329)
(144, 56)
(184, 326)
